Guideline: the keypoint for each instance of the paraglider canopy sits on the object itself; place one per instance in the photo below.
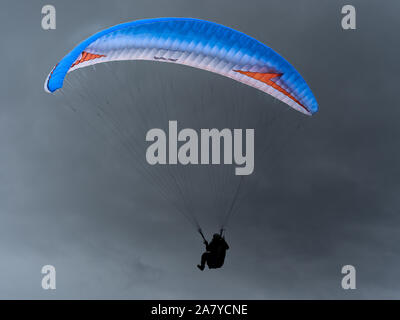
(196, 43)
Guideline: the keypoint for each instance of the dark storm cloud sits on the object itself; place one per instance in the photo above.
(328, 195)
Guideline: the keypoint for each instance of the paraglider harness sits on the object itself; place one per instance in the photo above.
(216, 259)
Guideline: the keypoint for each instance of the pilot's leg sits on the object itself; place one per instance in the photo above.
(204, 258)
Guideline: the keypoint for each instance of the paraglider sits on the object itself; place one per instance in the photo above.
(215, 253)
(196, 43)
(200, 44)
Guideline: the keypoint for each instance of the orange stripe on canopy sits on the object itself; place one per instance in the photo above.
(266, 78)
(86, 56)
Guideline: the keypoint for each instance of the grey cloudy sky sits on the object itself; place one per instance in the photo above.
(325, 197)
